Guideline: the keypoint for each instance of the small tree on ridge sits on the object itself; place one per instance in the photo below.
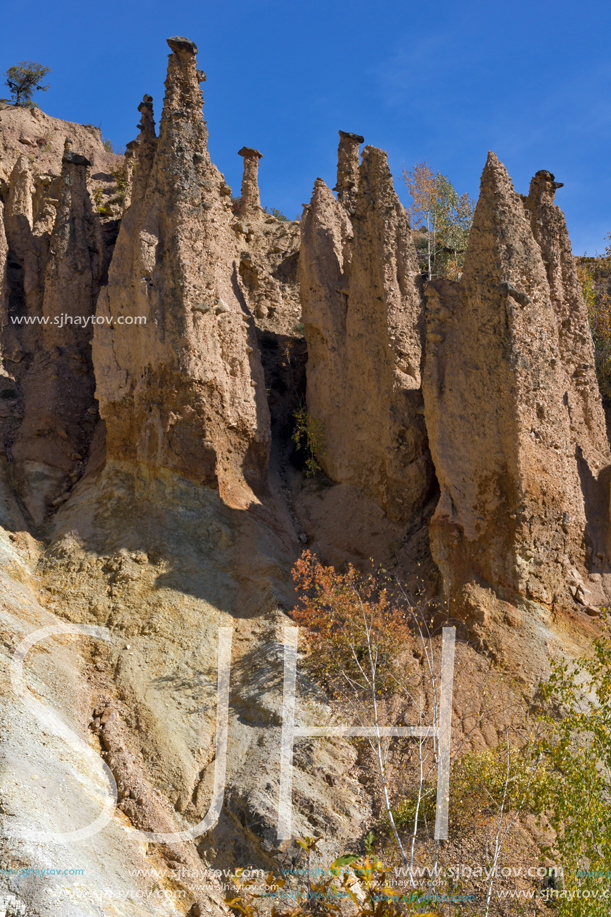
(446, 217)
(25, 78)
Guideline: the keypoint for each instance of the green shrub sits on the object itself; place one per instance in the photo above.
(111, 148)
(482, 782)
(274, 212)
(309, 435)
(576, 794)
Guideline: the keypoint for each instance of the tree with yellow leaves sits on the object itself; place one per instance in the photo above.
(446, 219)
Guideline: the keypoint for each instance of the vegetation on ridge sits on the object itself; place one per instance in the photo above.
(25, 78)
(446, 219)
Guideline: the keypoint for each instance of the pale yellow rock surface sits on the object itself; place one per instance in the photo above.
(40, 138)
(47, 787)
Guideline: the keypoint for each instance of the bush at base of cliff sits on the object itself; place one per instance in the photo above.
(309, 435)
(360, 883)
(576, 796)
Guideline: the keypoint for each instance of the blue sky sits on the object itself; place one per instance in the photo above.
(443, 82)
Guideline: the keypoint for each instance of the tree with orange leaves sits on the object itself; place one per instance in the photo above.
(349, 616)
(446, 217)
(356, 633)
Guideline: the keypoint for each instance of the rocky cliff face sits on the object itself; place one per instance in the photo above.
(162, 522)
(4, 288)
(363, 314)
(57, 252)
(179, 380)
(51, 445)
(154, 538)
(269, 254)
(348, 162)
(269, 259)
(519, 452)
(31, 133)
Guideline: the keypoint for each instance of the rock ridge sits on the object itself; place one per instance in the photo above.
(363, 312)
(520, 460)
(184, 390)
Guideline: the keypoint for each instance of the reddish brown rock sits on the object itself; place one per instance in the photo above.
(25, 263)
(363, 315)
(57, 387)
(574, 337)
(27, 246)
(179, 378)
(518, 449)
(45, 200)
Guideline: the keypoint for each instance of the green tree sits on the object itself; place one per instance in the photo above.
(25, 78)
(576, 752)
(309, 435)
(446, 217)
(274, 212)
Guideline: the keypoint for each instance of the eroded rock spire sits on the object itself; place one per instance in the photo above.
(574, 337)
(19, 204)
(179, 377)
(147, 145)
(514, 514)
(57, 388)
(348, 161)
(251, 200)
(363, 314)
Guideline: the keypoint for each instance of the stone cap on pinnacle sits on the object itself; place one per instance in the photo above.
(147, 102)
(348, 136)
(549, 176)
(249, 151)
(179, 43)
(75, 158)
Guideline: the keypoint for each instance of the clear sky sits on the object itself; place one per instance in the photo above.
(441, 81)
